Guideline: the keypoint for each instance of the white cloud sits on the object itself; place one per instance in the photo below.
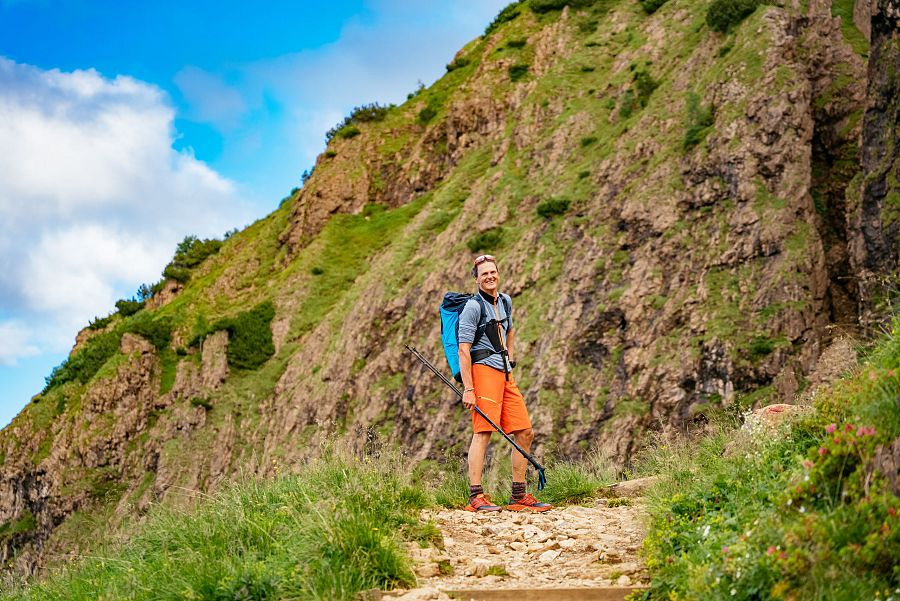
(14, 342)
(93, 199)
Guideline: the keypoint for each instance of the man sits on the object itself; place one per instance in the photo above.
(486, 370)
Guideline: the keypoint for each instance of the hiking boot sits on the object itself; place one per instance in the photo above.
(481, 502)
(528, 503)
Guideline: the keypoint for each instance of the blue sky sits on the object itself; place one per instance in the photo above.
(125, 126)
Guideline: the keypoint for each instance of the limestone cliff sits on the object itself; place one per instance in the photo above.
(697, 252)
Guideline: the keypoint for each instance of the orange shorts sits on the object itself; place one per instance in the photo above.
(500, 400)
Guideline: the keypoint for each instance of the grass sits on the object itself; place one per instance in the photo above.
(854, 37)
(568, 481)
(327, 533)
(790, 514)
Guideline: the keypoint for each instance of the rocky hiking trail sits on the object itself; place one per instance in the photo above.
(576, 552)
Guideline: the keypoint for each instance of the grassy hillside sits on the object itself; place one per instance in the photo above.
(804, 512)
(657, 235)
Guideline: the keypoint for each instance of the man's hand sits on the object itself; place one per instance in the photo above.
(469, 399)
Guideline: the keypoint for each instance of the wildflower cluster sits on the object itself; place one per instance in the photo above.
(835, 471)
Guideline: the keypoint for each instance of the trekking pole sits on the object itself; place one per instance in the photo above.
(542, 480)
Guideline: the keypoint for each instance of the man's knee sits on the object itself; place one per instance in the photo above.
(525, 436)
(481, 439)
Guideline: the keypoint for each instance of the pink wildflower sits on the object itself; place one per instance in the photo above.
(782, 555)
(830, 428)
(724, 549)
(848, 428)
(822, 451)
(808, 464)
(873, 376)
(770, 550)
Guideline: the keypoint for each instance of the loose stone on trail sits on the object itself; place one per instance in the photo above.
(573, 547)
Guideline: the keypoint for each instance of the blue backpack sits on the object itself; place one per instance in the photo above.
(451, 307)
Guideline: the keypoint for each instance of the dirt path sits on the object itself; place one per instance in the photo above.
(594, 546)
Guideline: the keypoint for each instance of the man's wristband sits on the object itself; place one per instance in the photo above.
(468, 390)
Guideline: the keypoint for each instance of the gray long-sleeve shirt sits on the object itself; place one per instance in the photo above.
(470, 317)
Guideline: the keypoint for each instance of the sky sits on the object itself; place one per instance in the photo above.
(126, 126)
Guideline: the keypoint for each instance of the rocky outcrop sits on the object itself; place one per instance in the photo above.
(876, 191)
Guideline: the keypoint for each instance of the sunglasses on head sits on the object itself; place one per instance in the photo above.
(479, 260)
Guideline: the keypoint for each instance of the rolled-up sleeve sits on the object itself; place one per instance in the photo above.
(468, 322)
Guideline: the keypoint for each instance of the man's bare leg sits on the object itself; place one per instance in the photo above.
(524, 438)
(477, 451)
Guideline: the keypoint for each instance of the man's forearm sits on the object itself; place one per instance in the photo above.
(465, 367)
(509, 345)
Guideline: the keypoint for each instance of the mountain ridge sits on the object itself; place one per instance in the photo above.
(683, 274)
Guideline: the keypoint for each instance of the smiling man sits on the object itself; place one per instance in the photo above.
(486, 369)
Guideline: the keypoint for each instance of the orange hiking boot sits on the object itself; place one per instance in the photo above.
(481, 503)
(528, 503)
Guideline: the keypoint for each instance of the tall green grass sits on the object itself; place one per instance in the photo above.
(797, 513)
(568, 481)
(327, 533)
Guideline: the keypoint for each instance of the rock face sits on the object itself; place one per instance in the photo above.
(698, 250)
(877, 188)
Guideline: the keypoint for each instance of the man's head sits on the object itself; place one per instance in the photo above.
(485, 272)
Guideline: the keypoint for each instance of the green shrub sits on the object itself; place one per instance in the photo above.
(366, 113)
(316, 270)
(651, 6)
(510, 12)
(546, 6)
(517, 43)
(192, 251)
(722, 15)
(201, 402)
(627, 104)
(517, 72)
(157, 331)
(587, 141)
(82, 366)
(698, 121)
(98, 323)
(487, 240)
(554, 206)
(129, 307)
(458, 63)
(643, 85)
(179, 274)
(587, 69)
(426, 115)
(351, 131)
(249, 336)
(760, 346)
(330, 154)
(189, 253)
(638, 95)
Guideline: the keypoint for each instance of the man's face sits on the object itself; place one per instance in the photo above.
(488, 277)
